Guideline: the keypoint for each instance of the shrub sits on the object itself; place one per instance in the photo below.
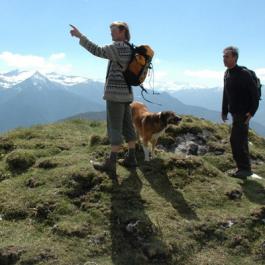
(95, 140)
(20, 160)
(6, 144)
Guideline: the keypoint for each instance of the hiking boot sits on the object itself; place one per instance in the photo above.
(108, 166)
(128, 162)
(242, 174)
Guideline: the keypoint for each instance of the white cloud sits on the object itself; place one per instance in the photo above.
(161, 74)
(20, 61)
(157, 61)
(33, 62)
(178, 80)
(169, 85)
(57, 56)
(261, 74)
(163, 81)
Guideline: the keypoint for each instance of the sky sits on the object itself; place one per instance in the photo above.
(188, 37)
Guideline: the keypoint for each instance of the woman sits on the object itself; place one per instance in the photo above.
(116, 93)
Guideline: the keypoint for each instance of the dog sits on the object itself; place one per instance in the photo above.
(150, 125)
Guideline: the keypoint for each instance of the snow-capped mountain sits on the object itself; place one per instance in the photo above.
(67, 80)
(9, 79)
(28, 98)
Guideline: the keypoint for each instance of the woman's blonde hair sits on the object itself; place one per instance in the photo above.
(122, 26)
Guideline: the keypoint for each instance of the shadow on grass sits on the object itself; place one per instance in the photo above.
(135, 239)
(156, 174)
(254, 191)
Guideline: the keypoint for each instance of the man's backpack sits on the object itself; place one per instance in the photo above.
(255, 79)
(139, 64)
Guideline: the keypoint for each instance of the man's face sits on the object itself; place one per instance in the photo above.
(229, 59)
(117, 34)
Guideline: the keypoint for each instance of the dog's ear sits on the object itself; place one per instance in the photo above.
(170, 117)
(164, 117)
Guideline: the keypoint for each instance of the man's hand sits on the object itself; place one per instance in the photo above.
(75, 32)
(224, 117)
(249, 116)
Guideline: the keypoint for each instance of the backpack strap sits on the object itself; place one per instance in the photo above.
(107, 75)
(129, 44)
(226, 74)
(132, 49)
(145, 91)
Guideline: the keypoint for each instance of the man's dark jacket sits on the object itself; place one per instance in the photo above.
(240, 94)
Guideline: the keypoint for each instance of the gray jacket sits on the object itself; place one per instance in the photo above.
(119, 54)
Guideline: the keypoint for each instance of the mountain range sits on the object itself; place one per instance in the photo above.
(43, 98)
(28, 98)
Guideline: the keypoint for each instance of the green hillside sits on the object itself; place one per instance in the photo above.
(177, 209)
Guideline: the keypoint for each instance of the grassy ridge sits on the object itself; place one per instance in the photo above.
(177, 209)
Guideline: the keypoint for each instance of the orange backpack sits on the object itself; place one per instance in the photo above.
(139, 64)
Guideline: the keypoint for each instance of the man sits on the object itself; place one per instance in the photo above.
(116, 93)
(240, 98)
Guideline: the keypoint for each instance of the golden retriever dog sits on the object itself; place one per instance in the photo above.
(150, 125)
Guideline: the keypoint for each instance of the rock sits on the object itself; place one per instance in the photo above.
(192, 144)
(98, 239)
(193, 149)
(132, 226)
(205, 134)
(218, 152)
(10, 255)
(91, 263)
(202, 150)
(32, 183)
(259, 214)
(234, 194)
(227, 224)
